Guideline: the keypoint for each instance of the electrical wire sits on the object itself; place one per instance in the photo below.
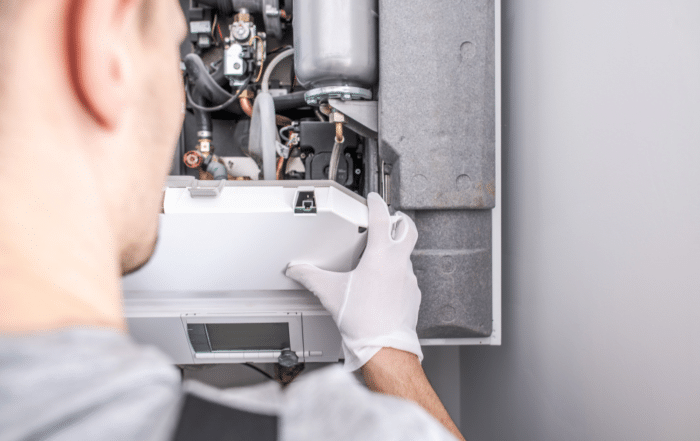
(221, 36)
(284, 129)
(262, 60)
(260, 370)
(220, 106)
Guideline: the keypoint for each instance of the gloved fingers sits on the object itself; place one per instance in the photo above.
(379, 230)
(330, 287)
(396, 226)
(313, 278)
(406, 231)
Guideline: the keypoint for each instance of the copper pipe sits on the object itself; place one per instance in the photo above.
(339, 138)
(246, 106)
(325, 108)
(280, 163)
(282, 120)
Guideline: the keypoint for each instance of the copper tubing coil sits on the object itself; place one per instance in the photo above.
(339, 138)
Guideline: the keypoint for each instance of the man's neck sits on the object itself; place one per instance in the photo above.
(57, 250)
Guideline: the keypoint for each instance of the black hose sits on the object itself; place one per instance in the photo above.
(283, 102)
(292, 100)
(206, 86)
(202, 119)
(221, 106)
(219, 76)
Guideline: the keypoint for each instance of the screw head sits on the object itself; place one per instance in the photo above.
(302, 156)
(358, 171)
(237, 65)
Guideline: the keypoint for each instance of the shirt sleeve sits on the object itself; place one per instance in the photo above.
(329, 404)
(99, 385)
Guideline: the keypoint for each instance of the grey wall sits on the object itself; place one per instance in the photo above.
(601, 301)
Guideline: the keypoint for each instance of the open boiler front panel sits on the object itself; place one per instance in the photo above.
(295, 112)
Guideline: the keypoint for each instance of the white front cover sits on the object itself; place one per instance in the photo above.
(244, 238)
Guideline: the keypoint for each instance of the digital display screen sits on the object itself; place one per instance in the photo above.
(248, 336)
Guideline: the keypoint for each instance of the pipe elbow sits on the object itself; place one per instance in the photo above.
(246, 106)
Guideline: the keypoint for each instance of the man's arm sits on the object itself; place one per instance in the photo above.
(376, 306)
(399, 373)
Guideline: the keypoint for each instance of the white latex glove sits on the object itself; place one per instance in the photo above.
(376, 304)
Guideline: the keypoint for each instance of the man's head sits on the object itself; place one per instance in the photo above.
(93, 89)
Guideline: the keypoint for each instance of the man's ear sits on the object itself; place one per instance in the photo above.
(99, 62)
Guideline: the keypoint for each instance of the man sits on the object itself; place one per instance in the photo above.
(91, 105)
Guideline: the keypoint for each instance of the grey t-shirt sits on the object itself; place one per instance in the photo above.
(89, 384)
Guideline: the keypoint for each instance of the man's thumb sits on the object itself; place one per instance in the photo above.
(305, 274)
(320, 282)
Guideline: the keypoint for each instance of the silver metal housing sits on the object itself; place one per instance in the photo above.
(336, 42)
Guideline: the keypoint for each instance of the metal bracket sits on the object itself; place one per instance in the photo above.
(348, 93)
(271, 18)
(361, 116)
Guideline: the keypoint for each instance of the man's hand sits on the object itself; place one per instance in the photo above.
(376, 304)
(376, 309)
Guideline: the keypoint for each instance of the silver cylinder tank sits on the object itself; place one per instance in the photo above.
(335, 42)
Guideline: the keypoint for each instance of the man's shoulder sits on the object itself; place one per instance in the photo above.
(85, 384)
